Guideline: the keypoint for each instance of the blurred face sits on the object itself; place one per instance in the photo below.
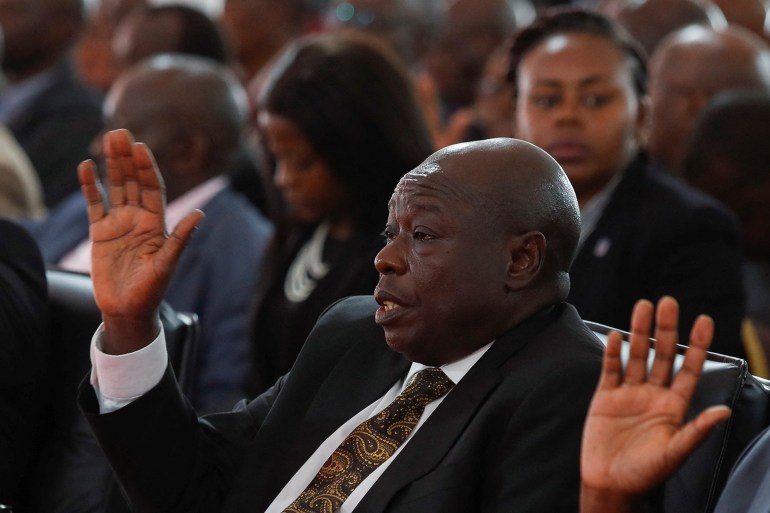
(140, 35)
(672, 112)
(303, 177)
(244, 24)
(750, 200)
(576, 100)
(27, 27)
(442, 270)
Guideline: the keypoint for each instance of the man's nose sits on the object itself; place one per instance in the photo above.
(390, 259)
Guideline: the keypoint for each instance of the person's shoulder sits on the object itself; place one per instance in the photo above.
(664, 204)
(68, 92)
(17, 241)
(573, 336)
(351, 309)
(230, 203)
(20, 254)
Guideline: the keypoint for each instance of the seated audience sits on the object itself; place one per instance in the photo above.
(51, 113)
(470, 300)
(728, 157)
(635, 436)
(649, 21)
(257, 30)
(341, 122)
(751, 14)
(686, 70)
(25, 361)
(93, 57)
(460, 73)
(148, 31)
(580, 95)
(190, 111)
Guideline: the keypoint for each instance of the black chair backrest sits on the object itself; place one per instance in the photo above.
(696, 486)
(73, 474)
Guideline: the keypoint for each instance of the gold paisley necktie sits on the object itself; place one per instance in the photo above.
(370, 444)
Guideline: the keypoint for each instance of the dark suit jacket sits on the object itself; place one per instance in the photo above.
(218, 275)
(24, 355)
(506, 438)
(56, 129)
(658, 236)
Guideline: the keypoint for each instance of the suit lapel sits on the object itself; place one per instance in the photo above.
(446, 425)
(301, 420)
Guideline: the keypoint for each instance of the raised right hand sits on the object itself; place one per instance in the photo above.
(635, 434)
(132, 256)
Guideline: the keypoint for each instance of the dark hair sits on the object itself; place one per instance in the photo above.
(564, 20)
(355, 104)
(200, 34)
(733, 127)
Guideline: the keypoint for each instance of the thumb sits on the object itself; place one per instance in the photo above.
(696, 431)
(179, 238)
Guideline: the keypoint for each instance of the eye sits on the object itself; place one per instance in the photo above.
(594, 101)
(388, 235)
(545, 101)
(423, 236)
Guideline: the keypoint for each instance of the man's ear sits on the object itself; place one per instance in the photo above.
(527, 257)
(191, 152)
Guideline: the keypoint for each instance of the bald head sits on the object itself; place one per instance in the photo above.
(513, 183)
(751, 14)
(687, 68)
(174, 101)
(649, 21)
(715, 59)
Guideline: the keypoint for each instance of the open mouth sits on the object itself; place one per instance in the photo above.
(389, 306)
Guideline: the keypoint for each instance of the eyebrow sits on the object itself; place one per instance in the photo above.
(593, 79)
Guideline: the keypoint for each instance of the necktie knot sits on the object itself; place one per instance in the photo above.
(427, 386)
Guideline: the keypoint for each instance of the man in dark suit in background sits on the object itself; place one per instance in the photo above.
(24, 356)
(473, 276)
(50, 112)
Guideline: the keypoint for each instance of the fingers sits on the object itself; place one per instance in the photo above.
(150, 181)
(89, 185)
(134, 178)
(612, 367)
(666, 338)
(641, 320)
(120, 173)
(700, 339)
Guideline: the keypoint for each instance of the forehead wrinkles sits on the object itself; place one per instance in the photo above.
(432, 181)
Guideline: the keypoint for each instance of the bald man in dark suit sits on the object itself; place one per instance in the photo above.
(473, 275)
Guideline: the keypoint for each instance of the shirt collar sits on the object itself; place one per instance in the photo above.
(454, 371)
(594, 208)
(195, 198)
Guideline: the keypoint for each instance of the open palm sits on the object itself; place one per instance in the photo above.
(634, 435)
(132, 256)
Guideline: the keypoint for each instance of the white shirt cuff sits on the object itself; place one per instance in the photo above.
(120, 379)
